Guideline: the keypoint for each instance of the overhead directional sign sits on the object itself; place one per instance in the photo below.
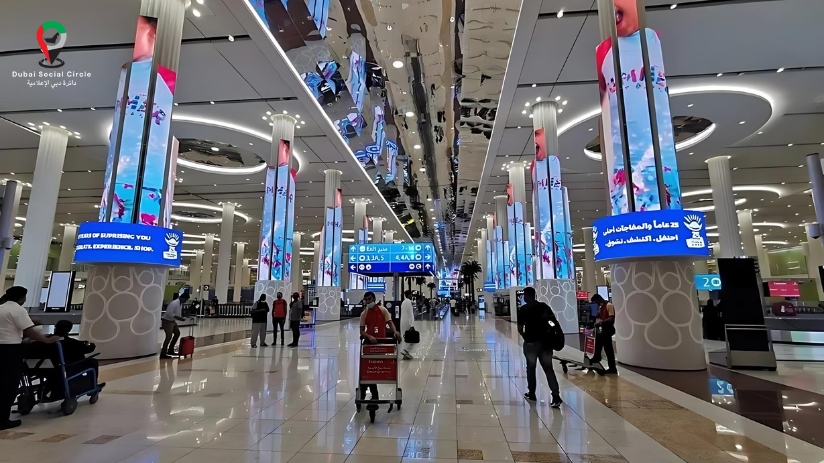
(380, 259)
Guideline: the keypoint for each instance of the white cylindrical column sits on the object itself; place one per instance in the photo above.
(283, 128)
(589, 280)
(247, 272)
(725, 216)
(8, 216)
(195, 273)
(490, 226)
(315, 260)
(747, 233)
(34, 250)
(224, 254)
(297, 270)
(500, 214)
(815, 260)
(545, 116)
(763, 258)
(389, 236)
(206, 273)
(600, 277)
(377, 229)
(240, 250)
(361, 222)
(170, 14)
(67, 248)
(516, 179)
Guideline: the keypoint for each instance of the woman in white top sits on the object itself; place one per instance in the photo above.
(14, 325)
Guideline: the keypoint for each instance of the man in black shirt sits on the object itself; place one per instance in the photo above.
(533, 318)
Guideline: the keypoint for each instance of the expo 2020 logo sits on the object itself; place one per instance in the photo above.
(51, 36)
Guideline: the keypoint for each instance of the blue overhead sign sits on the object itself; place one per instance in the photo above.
(671, 233)
(128, 243)
(708, 282)
(381, 259)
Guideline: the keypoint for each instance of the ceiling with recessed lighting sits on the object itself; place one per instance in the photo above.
(438, 72)
(227, 90)
(761, 94)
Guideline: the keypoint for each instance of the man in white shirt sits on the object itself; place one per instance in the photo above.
(14, 324)
(174, 312)
(407, 317)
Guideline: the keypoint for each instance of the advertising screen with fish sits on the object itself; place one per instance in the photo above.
(113, 137)
(131, 142)
(558, 234)
(132, 134)
(281, 199)
(171, 177)
(642, 170)
(337, 238)
(265, 256)
(542, 209)
(156, 160)
(290, 229)
(500, 260)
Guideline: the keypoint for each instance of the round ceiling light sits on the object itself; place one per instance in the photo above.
(410, 114)
(688, 131)
(207, 207)
(397, 64)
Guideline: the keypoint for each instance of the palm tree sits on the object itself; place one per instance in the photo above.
(431, 287)
(470, 270)
(420, 281)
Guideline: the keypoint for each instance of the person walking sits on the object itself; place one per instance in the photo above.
(604, 330)
(407, 319)
(168, 321)
(279, 318)
(259, 315)
(295, 314)
(14, 325)
(533, 318)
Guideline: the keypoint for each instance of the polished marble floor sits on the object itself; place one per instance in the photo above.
(462, 402)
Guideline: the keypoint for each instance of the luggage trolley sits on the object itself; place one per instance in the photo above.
(378, 365)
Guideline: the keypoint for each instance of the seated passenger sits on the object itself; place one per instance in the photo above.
(74, 355)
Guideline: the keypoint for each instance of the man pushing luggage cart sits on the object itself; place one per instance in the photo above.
(378, 357)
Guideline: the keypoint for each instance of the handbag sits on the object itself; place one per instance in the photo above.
(411, 336)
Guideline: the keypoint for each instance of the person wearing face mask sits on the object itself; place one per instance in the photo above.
(373, 321)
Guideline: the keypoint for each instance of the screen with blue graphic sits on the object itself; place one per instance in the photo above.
(128, 243)
(665, 233)
(721, 387)
(380, 259)
(708, 282)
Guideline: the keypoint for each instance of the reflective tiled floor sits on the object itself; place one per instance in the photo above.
(462, 402)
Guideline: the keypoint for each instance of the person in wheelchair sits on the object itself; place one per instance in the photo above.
(74, 354)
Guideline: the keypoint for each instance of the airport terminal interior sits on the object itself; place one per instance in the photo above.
(181, 178)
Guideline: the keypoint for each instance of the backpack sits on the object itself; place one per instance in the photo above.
(553, 337)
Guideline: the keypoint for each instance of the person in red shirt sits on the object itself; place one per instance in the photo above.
(279, 318)
(373, 321)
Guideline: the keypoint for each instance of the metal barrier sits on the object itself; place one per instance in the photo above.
(234, 310)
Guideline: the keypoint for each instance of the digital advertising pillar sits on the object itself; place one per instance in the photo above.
(132, 241)
(649, 241)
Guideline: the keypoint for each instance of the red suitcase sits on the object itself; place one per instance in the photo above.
(187, 344)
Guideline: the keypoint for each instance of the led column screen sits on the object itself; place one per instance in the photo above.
(281, 199)
(642, 170)
(542, 209)
(265, 259)
(155, 163)
(114, 137)
(290, 228)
